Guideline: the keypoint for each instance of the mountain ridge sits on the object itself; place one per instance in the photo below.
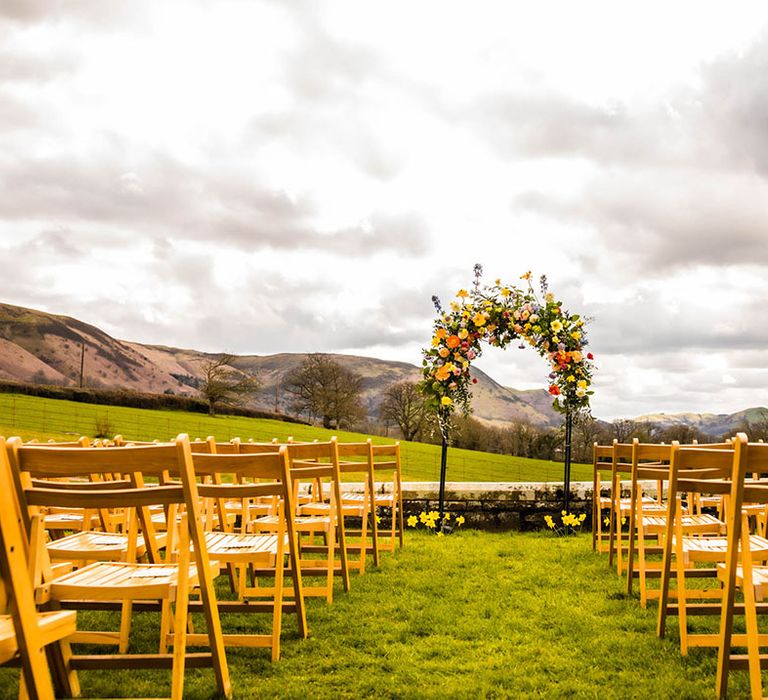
(40, 347)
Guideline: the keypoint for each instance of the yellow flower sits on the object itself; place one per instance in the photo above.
(447, 517)
(435, 342)
(463, 333)
(607, 522)
(570, 378)
(505, 292)
(556, 326)
(526, 276)
(455, 306)
(462, 293)
(446, 401)
(422, 517)
(582, 384)
(575, 335)
(460, 520)
(378, 519)
(441, 333)
(582, 517)
(412, 520)
(479, 319)
(440, 534)
(430, 523)
(576, 356)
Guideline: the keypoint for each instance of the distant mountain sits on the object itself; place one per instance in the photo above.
(710, 423)
(46, 348)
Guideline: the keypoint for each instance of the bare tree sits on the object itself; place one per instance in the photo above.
(224, 385)
(323, 388)
(404, 405)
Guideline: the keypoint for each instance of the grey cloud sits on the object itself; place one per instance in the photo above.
(17, 66)
(734, 104)
(663, 219)
(196, 204)
(24, 12)
(644, 325)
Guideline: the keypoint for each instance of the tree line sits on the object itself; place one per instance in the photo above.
(323, 391)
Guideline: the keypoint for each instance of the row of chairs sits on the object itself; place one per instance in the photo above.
(150, 526)
(695, 520)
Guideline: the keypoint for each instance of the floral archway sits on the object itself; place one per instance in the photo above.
(500, 314)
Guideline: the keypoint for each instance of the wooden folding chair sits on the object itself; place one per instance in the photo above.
(739, 572)
(650, 462)
(388, 492)
(318, 464)
(24, 632)
(110, 584)
(237, 477)
(602, 461)
(357, 458)
(696, 470)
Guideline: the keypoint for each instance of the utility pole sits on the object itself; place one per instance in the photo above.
(82, 362)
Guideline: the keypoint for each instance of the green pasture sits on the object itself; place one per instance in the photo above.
(33, 417)
(471, 615)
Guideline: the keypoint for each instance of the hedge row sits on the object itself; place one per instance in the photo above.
(134, 399)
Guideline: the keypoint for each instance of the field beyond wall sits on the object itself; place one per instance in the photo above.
(43, 419)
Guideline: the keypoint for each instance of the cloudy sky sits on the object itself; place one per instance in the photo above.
(279, 176)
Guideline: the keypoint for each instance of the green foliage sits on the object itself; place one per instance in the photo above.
(483, 615)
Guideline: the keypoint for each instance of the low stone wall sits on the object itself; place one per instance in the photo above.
(502, 506)
(492, 505)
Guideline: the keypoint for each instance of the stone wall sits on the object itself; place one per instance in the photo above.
(503, 506)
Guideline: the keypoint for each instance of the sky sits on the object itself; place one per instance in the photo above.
(302, 176)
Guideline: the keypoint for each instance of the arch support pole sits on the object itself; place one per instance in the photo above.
(567, 461)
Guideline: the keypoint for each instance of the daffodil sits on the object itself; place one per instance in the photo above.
(460, 520)
(412, 520)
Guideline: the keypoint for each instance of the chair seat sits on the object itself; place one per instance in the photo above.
(759, 579)
(703, 523)
(53, 626)
(256, 549)
(317, 508)
(380, 499)
(122, 581)
(715, 548)
(303, 523)
(98, 546)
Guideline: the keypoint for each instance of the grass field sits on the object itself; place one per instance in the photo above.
(44, 419)
(473, 615)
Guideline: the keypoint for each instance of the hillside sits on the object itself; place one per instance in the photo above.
(709, 423)
(45, 348)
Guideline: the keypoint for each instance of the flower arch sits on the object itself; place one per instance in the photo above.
(500, 314)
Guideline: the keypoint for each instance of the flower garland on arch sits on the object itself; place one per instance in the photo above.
(500, 314)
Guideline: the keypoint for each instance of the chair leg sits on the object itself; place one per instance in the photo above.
(125, 625)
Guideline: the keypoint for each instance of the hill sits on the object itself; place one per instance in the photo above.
(716, 424)
(45, 348)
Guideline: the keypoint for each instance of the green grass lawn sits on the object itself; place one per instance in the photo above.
(44, 419)
(473, 615)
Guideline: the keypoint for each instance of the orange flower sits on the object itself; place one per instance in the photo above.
(442, 373)
(554, 390)
(526, 276)
(444, 352)
(462, 293)
(440, 333)
(453, 341)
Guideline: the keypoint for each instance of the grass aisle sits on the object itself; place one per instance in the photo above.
(469, 616)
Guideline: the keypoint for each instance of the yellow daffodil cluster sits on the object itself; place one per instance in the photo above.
(570, 522)
(431, 518)
(498, 315)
